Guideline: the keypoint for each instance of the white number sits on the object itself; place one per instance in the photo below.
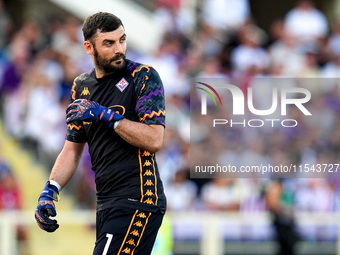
(109, 239)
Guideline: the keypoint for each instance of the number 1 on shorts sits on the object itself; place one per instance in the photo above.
(107, 245)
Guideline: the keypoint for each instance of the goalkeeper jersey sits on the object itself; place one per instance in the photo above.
(124, 174)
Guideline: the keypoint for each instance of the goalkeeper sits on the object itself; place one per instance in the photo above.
(118, 109)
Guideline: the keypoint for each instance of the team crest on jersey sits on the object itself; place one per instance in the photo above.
(122, 84)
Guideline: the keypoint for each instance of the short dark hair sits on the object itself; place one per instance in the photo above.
(104, 21)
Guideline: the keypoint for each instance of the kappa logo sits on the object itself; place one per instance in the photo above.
(85, 92)
(141, 215)
(138, 224)
(122, 84)
(149, 183)
(148, 173)
(127, 250)
(146, 154)
(135, 233)
(149, 201)
(147, 163)
(149, 193)
(131, 242)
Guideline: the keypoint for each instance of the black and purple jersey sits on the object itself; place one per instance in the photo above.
(124, 174)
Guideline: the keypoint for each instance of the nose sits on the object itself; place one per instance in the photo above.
(119, 48)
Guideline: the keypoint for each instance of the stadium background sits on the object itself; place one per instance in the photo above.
(41, 53)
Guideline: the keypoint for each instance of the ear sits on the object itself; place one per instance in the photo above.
(88, 47)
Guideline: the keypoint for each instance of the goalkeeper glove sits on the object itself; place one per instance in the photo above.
(82, 109)
(46, 208)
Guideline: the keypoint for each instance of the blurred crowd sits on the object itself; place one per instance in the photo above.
(220, 40)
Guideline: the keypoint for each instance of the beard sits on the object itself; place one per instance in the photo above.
(108, 65)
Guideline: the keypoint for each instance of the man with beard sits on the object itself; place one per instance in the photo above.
(118, 109)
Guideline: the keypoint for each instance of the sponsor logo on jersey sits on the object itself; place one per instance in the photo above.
(85, 92)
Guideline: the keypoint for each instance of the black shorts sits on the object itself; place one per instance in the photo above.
(122, 231)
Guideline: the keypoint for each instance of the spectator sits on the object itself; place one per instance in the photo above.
(181, 192)
(286, 54)
(10, 199)
(249, 57)
(67, 43)
(280, 201)
(166, 60)
(223, 194)
(174, 16)
(212, 69)
(334, 39)
(6, 25)
(84, 184)
(310, 67)
(332, 68)
(306, 22)
(225, 15)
